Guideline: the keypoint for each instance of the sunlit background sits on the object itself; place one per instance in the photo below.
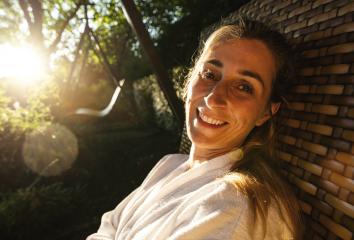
(22, 63)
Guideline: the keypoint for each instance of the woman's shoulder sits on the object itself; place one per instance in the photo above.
(220, 195)
(169, 161)
(164, 166)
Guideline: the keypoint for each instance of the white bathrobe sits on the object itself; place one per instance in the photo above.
(175, 202)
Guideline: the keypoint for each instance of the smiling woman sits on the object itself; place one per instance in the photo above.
(228, 187)
(21, 63)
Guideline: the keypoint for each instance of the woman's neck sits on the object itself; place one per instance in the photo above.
(202, 154)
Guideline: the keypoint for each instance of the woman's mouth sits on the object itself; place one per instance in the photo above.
(208, 120)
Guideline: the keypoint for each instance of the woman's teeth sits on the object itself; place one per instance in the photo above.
(210, 120)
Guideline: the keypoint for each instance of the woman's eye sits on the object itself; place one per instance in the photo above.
(245, 88)
(208, 75)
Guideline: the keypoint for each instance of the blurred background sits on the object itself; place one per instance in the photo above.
(61, 170)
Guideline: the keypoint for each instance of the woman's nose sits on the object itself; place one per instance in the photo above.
(217, 96)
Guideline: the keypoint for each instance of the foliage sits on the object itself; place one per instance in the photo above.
(40, 211)
(28, 109)
(150, 98)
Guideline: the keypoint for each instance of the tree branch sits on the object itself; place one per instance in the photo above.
(64, 25)
(37, 12)
(24, 7)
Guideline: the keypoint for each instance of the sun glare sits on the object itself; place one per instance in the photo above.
(21, 63)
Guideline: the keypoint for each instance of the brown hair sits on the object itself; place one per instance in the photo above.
(256, 175)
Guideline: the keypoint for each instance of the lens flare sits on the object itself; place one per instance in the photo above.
(50, 150)
(21, 63)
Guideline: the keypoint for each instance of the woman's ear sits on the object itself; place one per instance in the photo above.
(274, 107)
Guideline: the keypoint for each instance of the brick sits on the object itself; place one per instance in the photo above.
(301, 89)
(291, 7)
(280, 18)
(349, 90)
(325, 109)
(343, 110)
(319, 3)
(305, 207)
(342, 100)
(330, 41)
(349, 17)
(349, 172)
(322, 17)
(335, 4)
(307, 71)
(337, 132)
(312, 98)
(335, 143)
(335, 69)
(347, 58)
(284, 156)
(351, 198)
(347, 27)
(346, 9)
(330, 89)
(287, 139)
(296, 171)
(310, 167)
(296, 151)
(342, 181)
(314, 36)
(289, 21)
(324, 184)
(342, 206)
(315, 148)
(293, 123)
(342, 48)
(295, 26)
(301, 134)
(320, 205)
(306, 116)
(343, 194)
(311, 53)
(264, 3)
(319, 128)
(307, 187)
(310, 13)
(325, 174)
(331, 164)
(314, 80)
(327, 25)
(348, 135)
(348, 223)
(299, 10)
(336, 228)
(345, 79)
(320, 61)
(283, 4)
(319, 228)
(297, 106)
(351, 113)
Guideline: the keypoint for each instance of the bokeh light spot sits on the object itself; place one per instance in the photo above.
(50, 150)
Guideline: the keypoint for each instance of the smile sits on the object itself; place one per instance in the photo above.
(210, 120)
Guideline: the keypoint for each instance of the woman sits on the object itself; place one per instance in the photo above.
(227, 187)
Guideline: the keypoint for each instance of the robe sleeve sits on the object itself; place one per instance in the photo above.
(109, 221)
(225, 214)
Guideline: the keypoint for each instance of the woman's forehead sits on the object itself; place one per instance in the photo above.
(246, 54)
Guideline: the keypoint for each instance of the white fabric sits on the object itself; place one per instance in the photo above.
(175, 202)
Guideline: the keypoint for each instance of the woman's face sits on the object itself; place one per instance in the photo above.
(229, 95)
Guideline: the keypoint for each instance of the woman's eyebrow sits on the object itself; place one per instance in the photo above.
(215, 62)
(247, 73)
(252, 74)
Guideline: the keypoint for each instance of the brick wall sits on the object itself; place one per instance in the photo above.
(317, 141)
